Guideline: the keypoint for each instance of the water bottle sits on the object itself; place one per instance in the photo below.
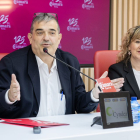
(135, 109)
(139, 112)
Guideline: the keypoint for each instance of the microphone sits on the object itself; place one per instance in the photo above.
(46, 51)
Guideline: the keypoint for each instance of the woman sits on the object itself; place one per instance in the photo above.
(128, 65)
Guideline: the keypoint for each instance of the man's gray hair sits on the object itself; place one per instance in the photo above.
(44, 17)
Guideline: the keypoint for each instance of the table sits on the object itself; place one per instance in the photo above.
(79, 129)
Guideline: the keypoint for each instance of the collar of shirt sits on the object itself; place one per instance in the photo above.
(136, 72)
(40, 62)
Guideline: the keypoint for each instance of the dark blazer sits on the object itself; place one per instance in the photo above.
(23, 64)
(121, 70)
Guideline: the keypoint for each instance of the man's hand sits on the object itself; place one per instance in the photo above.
(96, 91)
(118, 83)
(14, 92)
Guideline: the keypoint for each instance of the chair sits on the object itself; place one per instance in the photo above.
(102, 61)
(2, 55)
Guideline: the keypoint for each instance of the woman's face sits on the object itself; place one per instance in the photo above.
(134, 47)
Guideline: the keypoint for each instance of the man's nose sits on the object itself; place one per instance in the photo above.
(46, 36)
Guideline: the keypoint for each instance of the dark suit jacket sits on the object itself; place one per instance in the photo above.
(121, 70)
(23, 64)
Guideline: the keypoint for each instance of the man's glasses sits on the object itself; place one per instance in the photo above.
(46, 14)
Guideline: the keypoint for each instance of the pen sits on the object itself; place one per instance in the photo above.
(61, 95)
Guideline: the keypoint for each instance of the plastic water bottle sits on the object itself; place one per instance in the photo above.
(135, 109)
(139, 113)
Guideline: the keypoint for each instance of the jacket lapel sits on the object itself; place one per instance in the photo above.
(131, 78)
(34, 75)
(64, 75)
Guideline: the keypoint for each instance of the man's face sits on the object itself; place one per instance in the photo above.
(44, 35)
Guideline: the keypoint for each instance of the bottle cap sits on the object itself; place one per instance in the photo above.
(133, 98)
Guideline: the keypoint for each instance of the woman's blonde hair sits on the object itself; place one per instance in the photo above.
(131, 35)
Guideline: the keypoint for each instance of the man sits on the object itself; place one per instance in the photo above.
(32, 83)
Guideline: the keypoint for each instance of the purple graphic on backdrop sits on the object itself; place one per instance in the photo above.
(4, 24)
(73, 25)
(84, 25)
(19, 42)
(87, 45)
(55, 3)
(21, 2)
(88, 4)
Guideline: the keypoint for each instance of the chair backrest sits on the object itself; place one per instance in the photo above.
(2, 55)
(103, 60)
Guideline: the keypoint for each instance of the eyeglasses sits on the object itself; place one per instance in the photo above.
(46, 14)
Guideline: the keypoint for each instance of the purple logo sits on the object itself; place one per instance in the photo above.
(19, 42)
(73, 25)
(87, 45)
(4, 24)
(21, 2)
(87, 4)
(56, 3)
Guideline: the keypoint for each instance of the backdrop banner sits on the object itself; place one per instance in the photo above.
(84, 25)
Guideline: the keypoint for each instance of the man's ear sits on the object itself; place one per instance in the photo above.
(60, 37)
(30, 37)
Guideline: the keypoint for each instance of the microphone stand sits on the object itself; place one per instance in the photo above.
(46, 51)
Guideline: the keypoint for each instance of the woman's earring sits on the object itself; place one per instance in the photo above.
(129, 52)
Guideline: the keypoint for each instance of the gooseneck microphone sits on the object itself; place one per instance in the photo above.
(46, 51)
